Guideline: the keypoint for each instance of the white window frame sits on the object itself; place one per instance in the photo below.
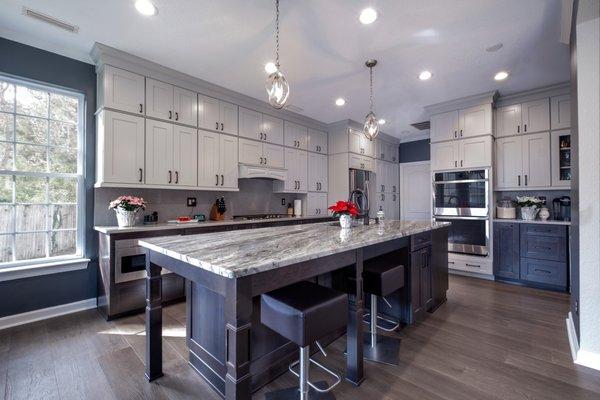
(47, 265)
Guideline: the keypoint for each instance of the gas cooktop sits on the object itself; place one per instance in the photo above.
(258, 216)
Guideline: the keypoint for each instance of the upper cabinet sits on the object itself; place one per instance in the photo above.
(317, 141)
(185, 106)
(171, 103)
(359, 144)
(258, 126)
(523, 161)
(217, 161)
(217, 115)
(468, 122)
(560, 146)
(317, 172)
(272, 129)
(535, 116)
(386, 151)
(467, 153)
(508, 120)
(261, 154)
(121, 90)
(560, 112)
(295, 135)
(444, 126)
(296, 163)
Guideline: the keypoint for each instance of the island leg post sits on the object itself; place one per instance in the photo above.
(153, 320)
(238, 314)
(354, 335)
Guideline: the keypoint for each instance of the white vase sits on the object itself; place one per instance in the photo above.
(544, 214)
(345, 221)
(126, 218)
(528, 213)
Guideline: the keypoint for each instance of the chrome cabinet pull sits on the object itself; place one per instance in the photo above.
(222, 180)
(141, 107)
(141, 174)
(473, 265)
(170, 176)
(170, 114)
(217, 184)
(176, 176)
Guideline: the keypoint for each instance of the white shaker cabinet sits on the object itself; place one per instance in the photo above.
(185, 106)
(509, 162)
(208, 159)
(159, 153)
(560, 112)
(317, 141)
(296, 164)
(475, 121)
(356, 161)
(508, 120)
(536, 160)
(475, 152)
(295, 135)
(217, 115)
(359, 144)
(120, 148)
(272, 129)
(122, 90)
(535, 116)
(261, 154)
(444, 126)
(317, 172)
(185, 155)
(444, 155)
(228, 114)
(159, 99)
(316, 204)
(228, 161)
(251, 124)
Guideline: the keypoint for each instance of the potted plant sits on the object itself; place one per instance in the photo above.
(345, 210)
(126, 208)
(529, 206)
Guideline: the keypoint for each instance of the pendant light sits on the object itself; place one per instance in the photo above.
(277, 87)
(371, 128)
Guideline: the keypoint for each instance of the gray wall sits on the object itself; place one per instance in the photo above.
(28, 294)
(414, 151)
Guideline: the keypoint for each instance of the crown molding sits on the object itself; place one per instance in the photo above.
(463, 102)
(350, 123)
(557, 89)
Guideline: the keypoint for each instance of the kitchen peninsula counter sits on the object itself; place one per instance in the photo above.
(228, 271)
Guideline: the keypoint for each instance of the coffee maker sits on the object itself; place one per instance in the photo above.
(561, 208)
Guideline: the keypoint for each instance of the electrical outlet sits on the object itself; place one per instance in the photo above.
(283, 201)
(191, 202)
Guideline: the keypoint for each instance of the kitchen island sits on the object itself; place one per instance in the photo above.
(227, 272)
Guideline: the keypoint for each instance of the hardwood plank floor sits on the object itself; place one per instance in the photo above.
(489, 341)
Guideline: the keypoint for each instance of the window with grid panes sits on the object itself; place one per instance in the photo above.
(41, 178)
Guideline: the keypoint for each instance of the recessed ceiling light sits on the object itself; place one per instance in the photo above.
(340, 101)
(145, 7)
(425, 75)
(368, 16)
(270, 67)
(381, 121)
(500, 76)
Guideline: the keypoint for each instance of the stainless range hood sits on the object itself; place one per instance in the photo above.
(252, 171)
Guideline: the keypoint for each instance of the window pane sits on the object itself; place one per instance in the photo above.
(30, 245)
(6, 155)
(6, 189)
(31, 158)
(63, 159)
(64, 216)
(31, 217)
(30, 190)
(63, 190)
(6, 252)
(63, 108)
(7, 126)
(7, 96)
(32, 102)
(7, 218)
(32, 130)
(63, 243)
(63, 134)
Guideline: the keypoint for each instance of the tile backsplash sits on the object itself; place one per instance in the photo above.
(255, 197)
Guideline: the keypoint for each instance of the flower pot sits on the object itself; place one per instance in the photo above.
(528, 213)
(125, 218)
(345, 221)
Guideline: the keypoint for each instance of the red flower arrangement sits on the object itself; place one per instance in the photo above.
(344, 208)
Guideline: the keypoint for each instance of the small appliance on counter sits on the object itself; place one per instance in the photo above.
(506, 209)
(297, 208)
(561, 208)
(290, 210)
(151, 219)
(217, 212)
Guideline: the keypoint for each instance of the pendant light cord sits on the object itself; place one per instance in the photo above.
(277, 33)
(371, 85)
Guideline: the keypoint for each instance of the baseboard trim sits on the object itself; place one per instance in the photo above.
(471, 274)
(45, 313)
(572, 335)
(588, 359)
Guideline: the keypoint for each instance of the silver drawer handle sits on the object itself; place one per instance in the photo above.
(473, 265)
(542, 270)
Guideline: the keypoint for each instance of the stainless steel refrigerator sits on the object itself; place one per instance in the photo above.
(359, 191)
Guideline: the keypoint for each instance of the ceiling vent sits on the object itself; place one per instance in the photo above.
(294, 108)
(422, 126)
(50, 20)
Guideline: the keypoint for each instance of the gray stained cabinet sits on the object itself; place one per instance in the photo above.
(506, 250)
(421, 291)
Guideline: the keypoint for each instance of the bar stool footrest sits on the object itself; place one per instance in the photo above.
(338, 378)
(394, 324)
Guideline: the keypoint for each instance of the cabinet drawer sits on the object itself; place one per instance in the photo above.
(420, 240)
(544, 271)
(544, 230)
(544, 247)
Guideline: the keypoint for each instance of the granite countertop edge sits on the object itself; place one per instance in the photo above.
(535, 221)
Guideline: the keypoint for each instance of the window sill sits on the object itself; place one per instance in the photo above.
(47, 268)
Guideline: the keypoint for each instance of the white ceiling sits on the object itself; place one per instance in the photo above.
(323, 47)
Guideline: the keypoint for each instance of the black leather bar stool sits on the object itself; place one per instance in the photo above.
(303, 313)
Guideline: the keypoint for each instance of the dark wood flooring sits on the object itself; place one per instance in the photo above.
(489, 341)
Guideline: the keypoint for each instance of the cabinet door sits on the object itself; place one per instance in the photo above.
(536, 160)
(228, 117)
(509, 162)
(444, 126)
(159, 99)
(508, 120)
(251, 124)
(475, 121)
(273, 129)
(291, 182)
(250, 152)
(475, 152)
(273, 155)
(444, 156)
(208, 158)
(506, 250)
(185, 160)
(317, 141)
(394, 178)
(381, 173)
(208, 113)
(367, 146)
(317, 172)
(560, 112)
(295, 135)
(394, 212)
(355, 141)
(560, 145)
(392, 150)
(159, 153)
(185, 106)
(228, 161)
(368, 164)
(380, 149)
(316, 204)
(121, 145)
(425, 275)
(535, 116)
(354, 161)
(416, 263)
(302, 169)
(124, 90)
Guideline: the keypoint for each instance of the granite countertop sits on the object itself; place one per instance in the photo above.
(168, 226)
(245, 252)
(535, 221)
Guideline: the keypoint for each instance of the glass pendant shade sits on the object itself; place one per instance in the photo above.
(278, 89)
(371, 127)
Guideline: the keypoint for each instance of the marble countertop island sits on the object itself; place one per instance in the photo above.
(235, 254)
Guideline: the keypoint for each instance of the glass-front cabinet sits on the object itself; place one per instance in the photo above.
(561, 158)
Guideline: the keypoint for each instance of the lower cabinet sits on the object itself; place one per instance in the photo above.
(420, 280)
(316, 204)
(506, 250)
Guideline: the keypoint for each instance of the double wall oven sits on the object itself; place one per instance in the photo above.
(463, 198)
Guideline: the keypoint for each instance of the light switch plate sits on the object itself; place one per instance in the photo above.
(191, 202)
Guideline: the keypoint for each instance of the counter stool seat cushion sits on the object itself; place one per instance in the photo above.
(381, 276)
(304, 312)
